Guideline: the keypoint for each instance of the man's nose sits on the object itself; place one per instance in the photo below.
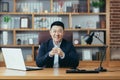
(57, 33)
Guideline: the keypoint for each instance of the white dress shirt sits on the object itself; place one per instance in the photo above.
(56, 56)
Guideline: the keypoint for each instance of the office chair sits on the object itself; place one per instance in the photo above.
(45, 35)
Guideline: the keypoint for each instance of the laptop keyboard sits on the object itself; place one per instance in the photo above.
(81, 71)
(33, 68)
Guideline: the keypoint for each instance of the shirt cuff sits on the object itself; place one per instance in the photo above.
(50, 55)
(63, 56)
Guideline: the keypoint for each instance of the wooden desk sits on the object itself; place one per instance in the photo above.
(50, 73)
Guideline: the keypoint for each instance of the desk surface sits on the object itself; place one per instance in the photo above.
(50, 73)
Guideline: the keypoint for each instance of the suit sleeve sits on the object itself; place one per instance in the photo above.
(71, 56)
(42, 57)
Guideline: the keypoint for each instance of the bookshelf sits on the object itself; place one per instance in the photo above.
(41, 13)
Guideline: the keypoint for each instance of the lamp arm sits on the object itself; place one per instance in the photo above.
(100, 68)
(99, 39)
(104, 50)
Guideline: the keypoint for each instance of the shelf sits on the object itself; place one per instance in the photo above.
(92, 45)
(73, 29)
(45, 29)
(51, 13)
(27, 63)
(92, 63)
(39, 29)
(16, 45)
(6, 29)
(70, 18)
(88, 13)
(16, 13)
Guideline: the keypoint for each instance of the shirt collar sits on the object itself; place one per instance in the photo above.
(57, 45)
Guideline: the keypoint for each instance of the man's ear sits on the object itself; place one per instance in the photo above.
(50, 32)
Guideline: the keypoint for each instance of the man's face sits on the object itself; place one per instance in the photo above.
(56, 33)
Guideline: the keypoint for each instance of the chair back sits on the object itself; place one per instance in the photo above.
(45, 35)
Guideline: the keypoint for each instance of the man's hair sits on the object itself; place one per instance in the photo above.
(57, 23)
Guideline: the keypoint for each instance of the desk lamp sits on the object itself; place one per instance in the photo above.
(88, 39)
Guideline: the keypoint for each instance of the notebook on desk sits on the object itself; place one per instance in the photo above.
(14, 59)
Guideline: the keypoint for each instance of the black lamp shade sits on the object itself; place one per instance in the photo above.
(89, 38)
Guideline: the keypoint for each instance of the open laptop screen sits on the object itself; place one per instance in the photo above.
(14, 59)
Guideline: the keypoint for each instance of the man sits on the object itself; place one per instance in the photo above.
(57, 52)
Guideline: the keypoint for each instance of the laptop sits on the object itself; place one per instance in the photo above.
(14, 59)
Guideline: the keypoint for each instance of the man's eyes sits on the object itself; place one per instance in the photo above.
(57, 31)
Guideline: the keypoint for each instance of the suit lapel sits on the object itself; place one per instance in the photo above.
(50, 45)
(62, 46)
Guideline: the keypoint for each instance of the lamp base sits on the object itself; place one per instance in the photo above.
(101, 69)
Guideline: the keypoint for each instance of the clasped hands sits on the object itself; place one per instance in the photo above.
(56, 50)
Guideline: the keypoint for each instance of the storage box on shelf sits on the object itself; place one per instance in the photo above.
(77, 16)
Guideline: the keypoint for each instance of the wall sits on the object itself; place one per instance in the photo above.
(115, 29)
(115, 23)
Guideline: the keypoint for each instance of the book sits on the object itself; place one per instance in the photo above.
(86, 55)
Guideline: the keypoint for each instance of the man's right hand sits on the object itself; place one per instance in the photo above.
(53, 52)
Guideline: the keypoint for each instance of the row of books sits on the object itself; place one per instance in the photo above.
(45, 22)
(24, 6)
(27, 38)
(70, 6)
(89, 54)
(66, 6)
(39, 22)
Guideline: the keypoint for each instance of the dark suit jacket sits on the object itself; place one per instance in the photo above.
(44, 60)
